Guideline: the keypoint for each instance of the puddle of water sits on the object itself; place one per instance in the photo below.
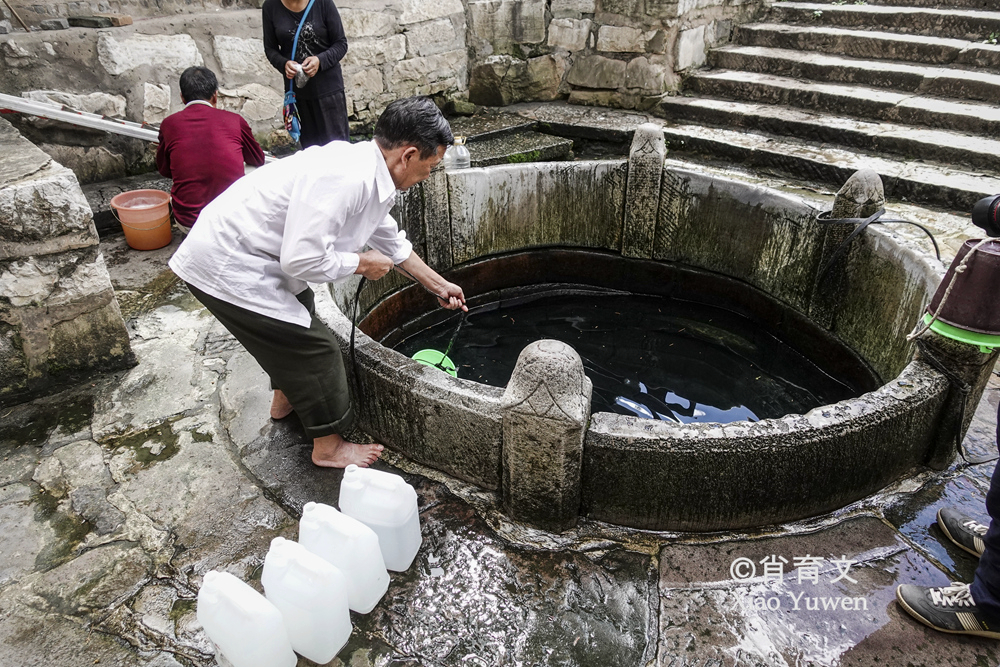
(654, 357)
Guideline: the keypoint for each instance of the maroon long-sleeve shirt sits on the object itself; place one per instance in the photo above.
(203, 150)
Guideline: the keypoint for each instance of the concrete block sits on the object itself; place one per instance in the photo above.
(172, 52)
(427, 69)
(430, 37)
(629, 8)
(118, 20)
(155, 102)
(662, 9)
(256, 103)
(364, 23)
(105, 104)
(54, 24)
(690, 48)
(569, 34)
(370, 52)
(619, 39)
(364, 85)
(239, 56)
(503, 23)
(89, 21)
(91, 164)
(646, 74)
(415, 11)
(545, 408)
(572, 8)
(642, 195)
(597, 72)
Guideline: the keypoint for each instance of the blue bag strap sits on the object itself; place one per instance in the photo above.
(295, 40)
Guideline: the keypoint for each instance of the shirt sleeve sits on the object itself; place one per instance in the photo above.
(338, 39)
(317, 212)
(253, 154)
(270, 36)
(391, 241)
(162, 156)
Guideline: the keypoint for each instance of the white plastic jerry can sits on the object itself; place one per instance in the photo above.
(246, 627)
(388, 505)
(352, 547)
(311, 595)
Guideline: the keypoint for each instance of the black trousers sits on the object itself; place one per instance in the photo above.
(986, 586)
(306, 364)
(323, 120)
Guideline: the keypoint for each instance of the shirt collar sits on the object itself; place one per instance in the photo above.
(383, 179)
(205, 102)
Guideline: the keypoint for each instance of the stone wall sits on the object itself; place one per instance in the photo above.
(620, 53)
(58, 312)
(614, 52)
(132, 71)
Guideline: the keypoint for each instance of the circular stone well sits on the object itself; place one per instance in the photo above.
(616, 224)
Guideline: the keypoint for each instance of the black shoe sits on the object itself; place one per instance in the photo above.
(947, 608)
(964, 531)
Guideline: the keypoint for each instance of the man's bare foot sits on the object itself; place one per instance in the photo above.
(280, 407)
(332, 451)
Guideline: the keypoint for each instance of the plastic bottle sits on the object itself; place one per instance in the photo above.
(311, 595)
(352, 547)
(457, 155)
(388, 505)
(245, 627)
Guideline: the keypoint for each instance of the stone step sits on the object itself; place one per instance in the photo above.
(488, 125)
(988, 5)
(954, 23)
(906, 181)
(901, 77)
(850, 100)
(519, 147)
(799, 160)
(871, 44)
(876, 138)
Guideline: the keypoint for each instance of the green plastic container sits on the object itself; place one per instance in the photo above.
(437, 360)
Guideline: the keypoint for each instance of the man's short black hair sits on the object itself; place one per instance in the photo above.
(413, 121)
(198, 83)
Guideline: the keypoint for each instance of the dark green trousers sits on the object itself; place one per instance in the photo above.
(306, 364)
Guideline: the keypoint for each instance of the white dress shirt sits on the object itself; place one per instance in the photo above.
(303, 218)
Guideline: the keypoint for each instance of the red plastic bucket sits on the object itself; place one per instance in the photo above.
(145, 218)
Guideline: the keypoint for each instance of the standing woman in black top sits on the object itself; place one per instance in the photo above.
(322, 43)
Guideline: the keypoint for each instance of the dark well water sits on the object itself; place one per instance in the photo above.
(650, 356)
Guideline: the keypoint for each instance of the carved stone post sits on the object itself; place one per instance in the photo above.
(962, 364)
(642, 192)
(545, 409)
(861, 196)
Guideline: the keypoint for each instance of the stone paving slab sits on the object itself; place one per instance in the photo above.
(118, 495)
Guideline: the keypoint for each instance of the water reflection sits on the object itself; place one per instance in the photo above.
(651, 357)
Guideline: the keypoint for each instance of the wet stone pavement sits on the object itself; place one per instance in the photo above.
(118, 495)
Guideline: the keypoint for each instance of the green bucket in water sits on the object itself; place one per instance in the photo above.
(437, 360)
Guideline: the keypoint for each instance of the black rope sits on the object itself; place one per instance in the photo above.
(354, 326)
(862, 223)
(354, 319)
(965, 389)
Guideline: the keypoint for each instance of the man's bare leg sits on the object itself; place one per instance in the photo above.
(280, 407)
(332, 451)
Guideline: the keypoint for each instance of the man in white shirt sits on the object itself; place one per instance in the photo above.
(305, 218)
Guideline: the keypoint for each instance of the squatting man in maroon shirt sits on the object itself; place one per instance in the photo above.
(202, 148)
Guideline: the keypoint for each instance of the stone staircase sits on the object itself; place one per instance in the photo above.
(818, 90)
